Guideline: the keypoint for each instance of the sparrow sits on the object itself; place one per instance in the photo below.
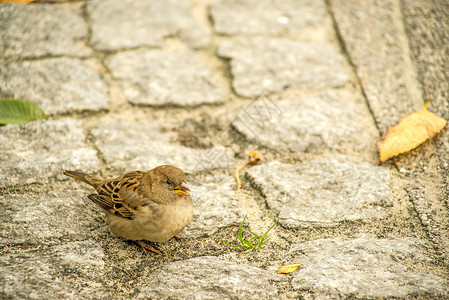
(143, 206)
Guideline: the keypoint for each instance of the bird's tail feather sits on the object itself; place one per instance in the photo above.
(80, 175)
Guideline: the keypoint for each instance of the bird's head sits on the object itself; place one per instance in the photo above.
(169, 182)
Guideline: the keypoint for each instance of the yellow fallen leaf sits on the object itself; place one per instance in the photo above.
(254, 158)
(285, 269)
(410, 132)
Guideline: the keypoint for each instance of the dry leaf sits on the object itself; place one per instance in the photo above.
(285, 269)
(254, 158)
(255, 155)
(410, 132)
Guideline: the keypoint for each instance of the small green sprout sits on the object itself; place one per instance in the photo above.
(254, 243)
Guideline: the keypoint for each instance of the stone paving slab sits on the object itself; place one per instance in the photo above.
(407, 65)
(427, 27)
(209, 278)
(41, 30)
(129, 146)
(47, 218)
(365, 267)
(120, 24)
(374, 44)
(267, 17)
(309, 123)
(215, 205)
(324, 192)
(50, 232)
(66, 271)
(57, 85)
(261, 64)
(85, 257)
(164, 77)
(38, 152)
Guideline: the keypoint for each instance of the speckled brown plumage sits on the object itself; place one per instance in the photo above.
(153, 206)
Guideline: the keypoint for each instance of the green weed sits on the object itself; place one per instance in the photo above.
(253, 243)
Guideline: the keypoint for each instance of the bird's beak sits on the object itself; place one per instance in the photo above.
(182, 190)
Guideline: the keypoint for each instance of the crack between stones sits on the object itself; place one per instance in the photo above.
(350, 61)
(415, 90)
(90, 140)
(432, 237)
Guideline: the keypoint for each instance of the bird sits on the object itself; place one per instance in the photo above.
(141, 206)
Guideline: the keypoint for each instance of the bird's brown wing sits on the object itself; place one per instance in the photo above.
(120, 196)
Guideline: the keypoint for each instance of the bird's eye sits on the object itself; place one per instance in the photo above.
(169, 182)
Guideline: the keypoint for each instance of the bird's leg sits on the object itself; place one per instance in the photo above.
(177, 238)
(146, 247)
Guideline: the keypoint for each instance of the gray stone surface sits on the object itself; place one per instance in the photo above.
(83, 257)
(365, 267)
(267, 17)
(329, 67)
(324, 192)
(209, 278)
(70, 270)
(215, 205)
(308, 123)
(57, 85)
(129, 146)
(164, 77)
(427, 26)
(45, 218)
(41, 30)
(38, 152)
(118, 24)
(373, 40)
(260, 64)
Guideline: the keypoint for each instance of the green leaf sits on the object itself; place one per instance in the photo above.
(256, 236)
(262, 242)
(17, 111)
(248, 244)
(265, 234)
(230, 244)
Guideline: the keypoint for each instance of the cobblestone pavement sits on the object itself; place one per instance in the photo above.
(132, 84)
